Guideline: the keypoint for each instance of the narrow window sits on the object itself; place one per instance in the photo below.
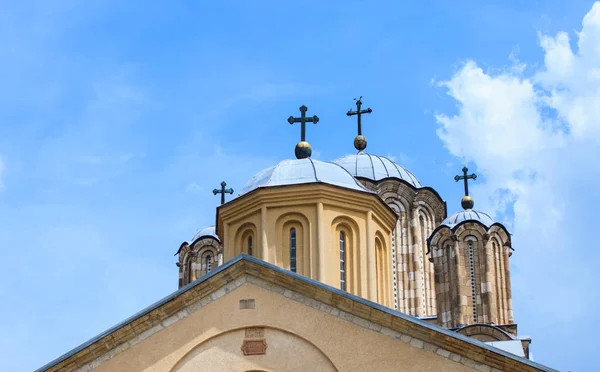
(208, 263)
(342, 261)
(293, 249)
(473, 290)
(250, 245)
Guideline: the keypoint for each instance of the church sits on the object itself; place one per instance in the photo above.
(349, 265)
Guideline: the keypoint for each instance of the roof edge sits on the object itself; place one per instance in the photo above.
(311, 282)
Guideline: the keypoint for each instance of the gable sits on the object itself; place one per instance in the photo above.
(298, 337)
(207, 322)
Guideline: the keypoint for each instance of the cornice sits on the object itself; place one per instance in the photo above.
(305, 194)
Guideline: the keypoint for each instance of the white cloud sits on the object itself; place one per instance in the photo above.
(536, 139)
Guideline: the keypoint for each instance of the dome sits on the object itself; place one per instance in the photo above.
(207, 232)
(300, 171)
(468, 215)
(376, 168)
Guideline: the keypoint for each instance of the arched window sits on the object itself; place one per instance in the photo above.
(293, 249)
(473, 287)
(208, 263)
(379, 270)
(250, 245)
(342, 261)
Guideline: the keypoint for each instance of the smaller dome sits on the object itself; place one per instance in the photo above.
(376, 168)
(468, 215)
(207, 232)
(301, 171)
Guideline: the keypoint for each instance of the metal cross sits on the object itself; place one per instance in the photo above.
(466, 177)
(303, 120)
(223, 191)
(358, 113)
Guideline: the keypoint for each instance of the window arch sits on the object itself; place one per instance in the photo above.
(346, 256)
(472, 277)
(187, 268)
(343, 260)
(208, 263)
(293, 249)
(379, 270)
(245, 240)
(292, 243)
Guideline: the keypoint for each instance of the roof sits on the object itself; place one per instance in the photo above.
(302, 171)
(247, 265)
(376, 168)
(207, 232)
(468, 215)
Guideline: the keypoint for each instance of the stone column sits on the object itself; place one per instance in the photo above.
(460, 307)
(220, 256)
(502, 287)
(371, 267)
(403, 283)
(321, 244)
(508, 291)
(264, 248)
(417, 263)
(488, 297)
(193, 264)
(410, 265)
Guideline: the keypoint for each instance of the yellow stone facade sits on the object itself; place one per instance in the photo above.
(253, 316)
(260, 224)
(387, 240)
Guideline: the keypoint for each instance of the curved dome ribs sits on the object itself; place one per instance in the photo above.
(376, 168)
(302, 171)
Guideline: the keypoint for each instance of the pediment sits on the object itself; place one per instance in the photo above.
(211, 320)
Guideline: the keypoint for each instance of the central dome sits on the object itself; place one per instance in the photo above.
(300, 171)
(376, 168)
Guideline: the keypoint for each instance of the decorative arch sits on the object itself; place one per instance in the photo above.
(398, 244)
(426, 221)
(186, 266)
(382, 267)
(207, 261)
(485, 332)
(283, 227)
(350, 259)
(244, 234)
(430, 198)
(221, 351)
(475, 229)
(499, 251)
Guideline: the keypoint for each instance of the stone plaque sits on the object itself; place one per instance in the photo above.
(247, 304)
(255, 332)
(254, 347)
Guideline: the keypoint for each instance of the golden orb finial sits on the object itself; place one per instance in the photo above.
(467, 202)
(360, 142)
(303, 150)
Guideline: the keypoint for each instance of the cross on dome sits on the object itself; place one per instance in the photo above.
(303, 149)
(223, 191)
(360, 142)
(467, 201)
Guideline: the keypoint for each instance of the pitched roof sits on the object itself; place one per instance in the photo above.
(244, 265)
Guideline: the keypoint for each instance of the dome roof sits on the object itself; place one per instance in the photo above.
(207, 232)
(468, 215)
(376, 168)
(300, 171)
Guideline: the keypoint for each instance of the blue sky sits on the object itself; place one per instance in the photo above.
(117, 119)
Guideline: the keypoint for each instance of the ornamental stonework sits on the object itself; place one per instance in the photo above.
(254, 341)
